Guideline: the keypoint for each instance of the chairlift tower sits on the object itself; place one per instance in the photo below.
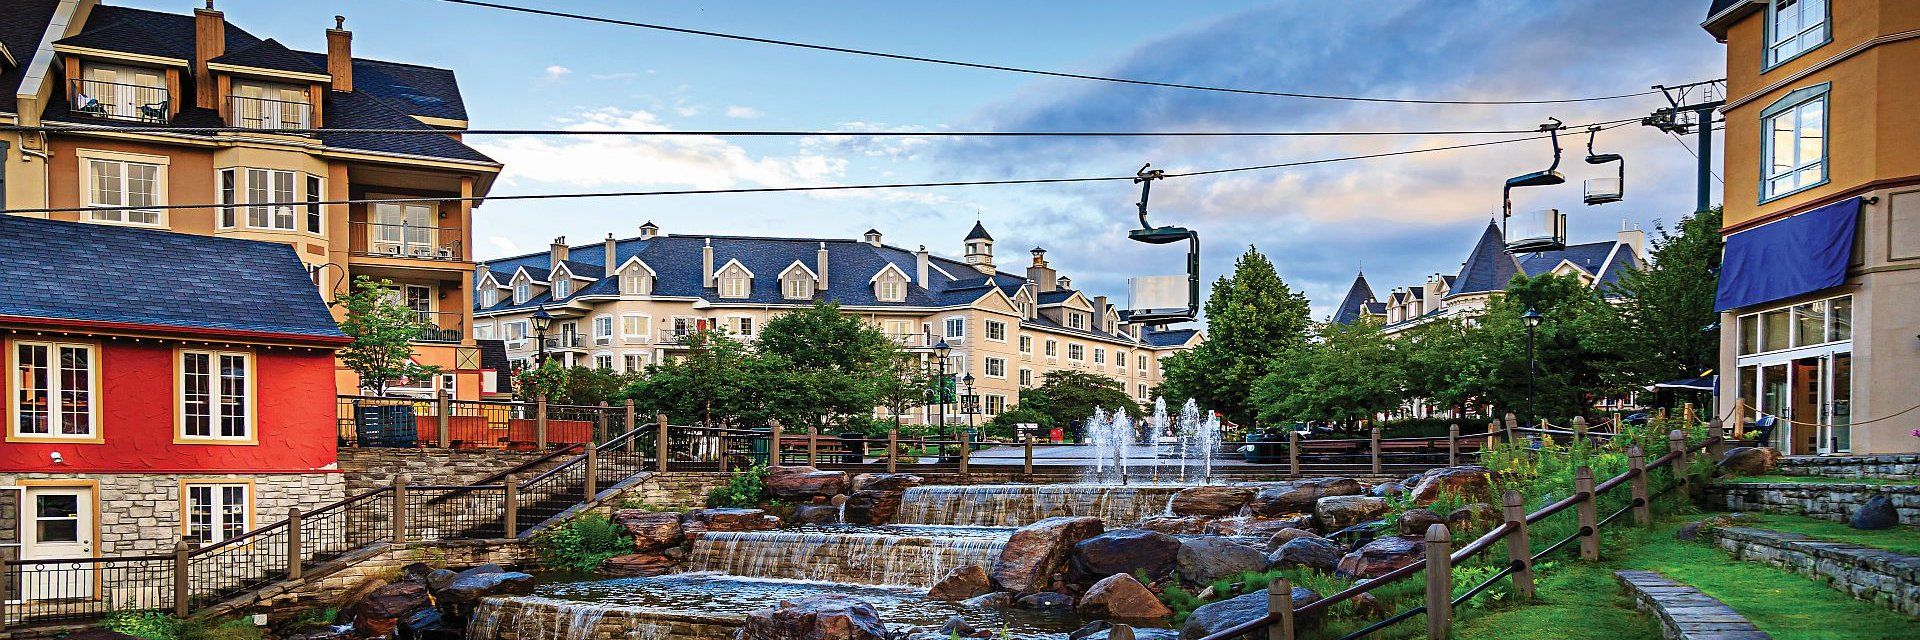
(1690, 109)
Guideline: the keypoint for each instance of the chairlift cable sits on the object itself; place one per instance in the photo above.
(1364, 157)
(764, 133)
(1696, 155)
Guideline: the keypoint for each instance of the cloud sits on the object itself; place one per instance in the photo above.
(742, 112)
(622, 75)
(699, 162)
(555, 72)
(503, 245)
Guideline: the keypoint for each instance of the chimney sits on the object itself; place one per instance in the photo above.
(822, 257)
(706, 265)
(1065, 283)
(920, 267)
(1033, 292)
(557, 252)
(1099, 309)
(209, 42)
(1039, 273)
(480, 272)
(1635, 238)
(340, 54)
(611, 265)
(873, 237)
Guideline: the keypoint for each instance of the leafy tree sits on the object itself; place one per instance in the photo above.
(1350, 373)
(1573, 361)
(820, 367)
(383, 331)
(1445, 364)
(1067, 398)
(903, 383)
(1005, 424)
(1253, 318)
(572, 385)
(712, 384)
(1666, 327)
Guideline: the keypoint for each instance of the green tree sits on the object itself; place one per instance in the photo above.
(1349, 373)
(711, 384)
(1003, 425)
(572, 385)
(1573, 362)
(1068, 398)
(1666, 327)
(903, 383)
(383, 331)
(820, 367)
(1445, 364)
(1253, 318)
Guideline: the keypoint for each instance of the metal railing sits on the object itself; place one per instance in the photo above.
(119, 101)
(419, 242)
(267, 113)
(567, 341)
(441, 326)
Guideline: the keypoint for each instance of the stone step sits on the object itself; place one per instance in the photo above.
(1685, 613)
(1873, 575)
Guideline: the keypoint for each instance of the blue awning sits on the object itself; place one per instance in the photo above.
(1801, 254)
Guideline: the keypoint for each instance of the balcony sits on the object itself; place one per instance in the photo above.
(263, 113)
(113, 100)
(415, 242)
(441, 327)
(567, 341)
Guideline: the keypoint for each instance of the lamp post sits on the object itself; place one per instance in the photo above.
(541, 320)
(941, 350)
(969, 403)
(1532, 318)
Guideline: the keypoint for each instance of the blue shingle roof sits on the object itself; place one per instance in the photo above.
(1170, 337)
(101, 273)
(1488, 266)
(1355, 303)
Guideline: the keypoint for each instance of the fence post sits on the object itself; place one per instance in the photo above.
(1677, 443)
(294, 556)
(660, 442)
(593, 473)
(3, 593)
(773, 443)
(1514, 510)
(1579, 429)
(1439, 581)
(1026, 462)
(1686, 412)
(966, 444)
(632, 425)
(1589, 513)
(1740, 419)
(1373, 436)
(443, 406)
(512, 500)
(1453, 445)
(813, 446)
(1637, 465)
(893, 449)
(540, 422)
(182, 580)
(599, 425)
(1293, 454)
(400, 509)
(1512, 423)
(1280, 601)
(1493, 429)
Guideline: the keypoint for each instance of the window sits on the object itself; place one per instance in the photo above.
(1026, 377)
(1120, 360)
(1793, 153)
(996, 331)
(996, 367)
(1076, 320)
(684, 325)
(516, 330)
(996, 405)
(797, 287)
(483, 332)
(1026, 344)
(216, 399)
(55, 390)
(603, 361)
(1143, 361)
(1053, 348)
(635, 362)
(1076, 352)
(562, 287)
(733, 285)
(489, 296)
(889, 290)
(215, 512)
(1801, 325)
(406, 230)
(268, 193)
(636, 281)
(634, 326)
(1142, 392)
(603, 327)
(1793, 27)
(744, 325)
(956, 328)
(314, 191)
(114, 183)
(1099, 355)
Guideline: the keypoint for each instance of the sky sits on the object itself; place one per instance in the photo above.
(1401, 219)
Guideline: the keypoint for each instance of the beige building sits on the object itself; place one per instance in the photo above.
(622, 304)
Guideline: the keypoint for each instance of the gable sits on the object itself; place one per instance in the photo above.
(733, 268)
(891, 272)
(995, 300)
(636, 262)
(803, 269)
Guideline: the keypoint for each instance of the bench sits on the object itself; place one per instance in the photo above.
(1684, 612)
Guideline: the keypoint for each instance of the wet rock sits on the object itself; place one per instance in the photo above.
(1471, 482)
(1289, 498)
(962, 583)
(1750, 461)
(380, 612)
(815, 514)
(439, 579)
(869, 506)
(1121, 597)
(995, 600)
(1215, 617)
(1473, 517)
(636, 565)
(1046, 601)
(1125, 551)
(1037, 551)
(699, 521)
(1382, 555)
(1178, 525)
(1139, 633)
(1876, 514)
(1318, 554)
(886, 481)
(1386, 490)
(1204, 560)
(428, 624)
(470, 588)
(1256, 526)
(1285, 535)
(955, 626)
(827, 616)
(1210, 501)
(651, 530)
(1339, 512)
(803, 483)
(1087, 630)
(1415, 521)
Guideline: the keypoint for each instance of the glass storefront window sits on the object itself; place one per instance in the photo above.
(1841, 315)
(1749, 392)
(1749, 328)
(1775, 330)
(1809, 323)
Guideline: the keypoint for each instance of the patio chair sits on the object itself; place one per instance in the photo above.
(1761, 431)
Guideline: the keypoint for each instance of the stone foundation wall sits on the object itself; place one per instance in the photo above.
(141, 514)
(1887, 467)
(330, 585)
(1880, 577)
(533, 618)
(372, 468)
(1835, 501)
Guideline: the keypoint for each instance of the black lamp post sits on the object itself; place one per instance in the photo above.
(541, 320)
(1532, 318)
(969, 403)
(941, 350)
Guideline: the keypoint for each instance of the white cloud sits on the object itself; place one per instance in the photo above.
(701, 162)
(622, 75)
(742, 112)
(504, 245)
(556, 72)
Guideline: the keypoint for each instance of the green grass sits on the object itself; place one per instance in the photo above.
(1903, 540)
(1575, 601)
(1815, 480)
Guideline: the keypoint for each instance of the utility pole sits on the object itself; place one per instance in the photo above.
(1700, 99)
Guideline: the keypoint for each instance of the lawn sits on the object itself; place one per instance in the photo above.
(1904, 540)
(1814, 480)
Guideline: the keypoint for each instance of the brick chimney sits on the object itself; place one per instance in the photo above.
(610, 267)
(706, 265)
(557, 252)
(209, 42)
(340, 54)
(821, 258)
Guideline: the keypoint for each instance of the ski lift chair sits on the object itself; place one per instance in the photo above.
(1540, 230)
(1604, 189)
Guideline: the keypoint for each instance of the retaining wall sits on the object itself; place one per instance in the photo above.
(1827, 501)
(333, 583)
(1886, 467)
(373, 467)
(1881, 577)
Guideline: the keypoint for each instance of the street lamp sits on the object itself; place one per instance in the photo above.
(1532, 318)
(941, 350)
(968, 402)
(541, 320)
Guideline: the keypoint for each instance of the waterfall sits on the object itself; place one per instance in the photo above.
(1158, 428)
(533, 618)
(1015, 505)
(860, 558)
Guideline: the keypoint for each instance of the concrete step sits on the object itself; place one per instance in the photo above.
(1684, 612)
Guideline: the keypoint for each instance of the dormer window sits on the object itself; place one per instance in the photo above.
(562, 287)
(735, 281)
(522, 291)
(890, 284)
(1076, 320)
(489, 296)
(636, 281)
(797, 286)
(266, 105)
(122, 93)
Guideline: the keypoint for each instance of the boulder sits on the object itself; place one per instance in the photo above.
(380, 612)
(955, 626)
(1037, 551)
(1177, 525)
(1471, 482)
(1210, 501)
(869, 506)
(1046, 601)
(1283, 536)
(635, 565)
(1121, 597)
(1415, 521)
(1382, 555)
(1125, 551)
(827, 616)
(1215, 617)
(1318, 554)
(1877, 513)
(995, 600)
(814, 514)
(1204, 560)
(1289, 498)
(651, 530)
(439, 579)
(699, 521)
(886, 481)
(1386, 490)
(1256, 526)
(1340, 512)
(429, 624)
(803, 483)
(470, 588)
(1750, 461)
(961, 583)
(1473, 517)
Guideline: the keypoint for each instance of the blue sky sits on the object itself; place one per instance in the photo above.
(1402, 218)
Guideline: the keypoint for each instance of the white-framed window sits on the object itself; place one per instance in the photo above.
(635, 325)
(1805, 324)
(996, 367)
(734, 285)
(316, 190)
(1076, 320)
(489, 296)
(797, 287)
(996, 331)
(514, 331)
(483, 331)
(603, 327)
(743, 325)
(1026, 377)
(683, 325)
(1794, 27)
(1053, 348)
(603, 361)
(635, 281)
(562, 287)
(1793, 153)
(1099, 355)
(120, 183)
(1026, 344)
(955, 327)
(270, 199)
(1142, 358)
(635, 362)
(1142, 394)
(996, 405)
(215, 511)
(216, 395)
(889, 290)
(56, 390)
(1076, 352)
(522, 291)
(1120, 360)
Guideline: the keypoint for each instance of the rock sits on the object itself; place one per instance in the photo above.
(1178, 525)
(1691, 531)
(1382, 555)
(1386, 490)
(1121, 597)
(1256, 526)
(1045, 601)
(1368, 607)
(886, 481)
(416, 571)
(802, 483)
(1204, 560)
(955, 626)
(440, 579)
(1215, 617)
(1290, 498)
(636, 565)
(827, 616)
(1470, 482)
(428, 624)
(1285, 535)
(380, 612)
(1750, 461)
(1318, 554)
(1473, 517)
(651, 530)
(815, 514)
(1415, 521)
(1087, 630)
(1037, 551)
(1358, 534)
(995, 600)
(1876, 514)
(872, 507)
(1125, 551)
(1339, 512)
(962, 583)
(470, 588)
(699, 521)
(1209, 501)
(1139, 633)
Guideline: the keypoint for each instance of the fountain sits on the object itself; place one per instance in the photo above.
(1117, 451)
(1012, 505)
(831, 556)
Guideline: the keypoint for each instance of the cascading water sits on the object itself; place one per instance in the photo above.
(1199, 441)
(1013, 505)
(533, 618)
(859, 558)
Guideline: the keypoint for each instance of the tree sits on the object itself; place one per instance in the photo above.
(1005, 425)
(820, 367)
(710, 385)
(1666, 326)
(1573, 362)
(1445, 364)
(572, 385)
(1253, 318)
(904, 383)
(1068, 398)
(1350, 373)
(383, 331)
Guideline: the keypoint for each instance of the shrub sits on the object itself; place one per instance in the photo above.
(229, 629)
(147, 625)
(582, 544)
(745, 489)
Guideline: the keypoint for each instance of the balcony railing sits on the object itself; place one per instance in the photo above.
(120, 101)
(263, 113)
(404, 241)
(441, 326)
(567, 341)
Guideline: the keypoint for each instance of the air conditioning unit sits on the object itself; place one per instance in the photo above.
(516, 345)
(601, 342)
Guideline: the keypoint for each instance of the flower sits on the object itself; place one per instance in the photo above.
(1916, 433)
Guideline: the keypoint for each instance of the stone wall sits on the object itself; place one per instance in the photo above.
(533, 618)
(1827, 501)
(332, 583)
(1885, 467)
(371, 468)
(1881, 577)
(141, 513)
